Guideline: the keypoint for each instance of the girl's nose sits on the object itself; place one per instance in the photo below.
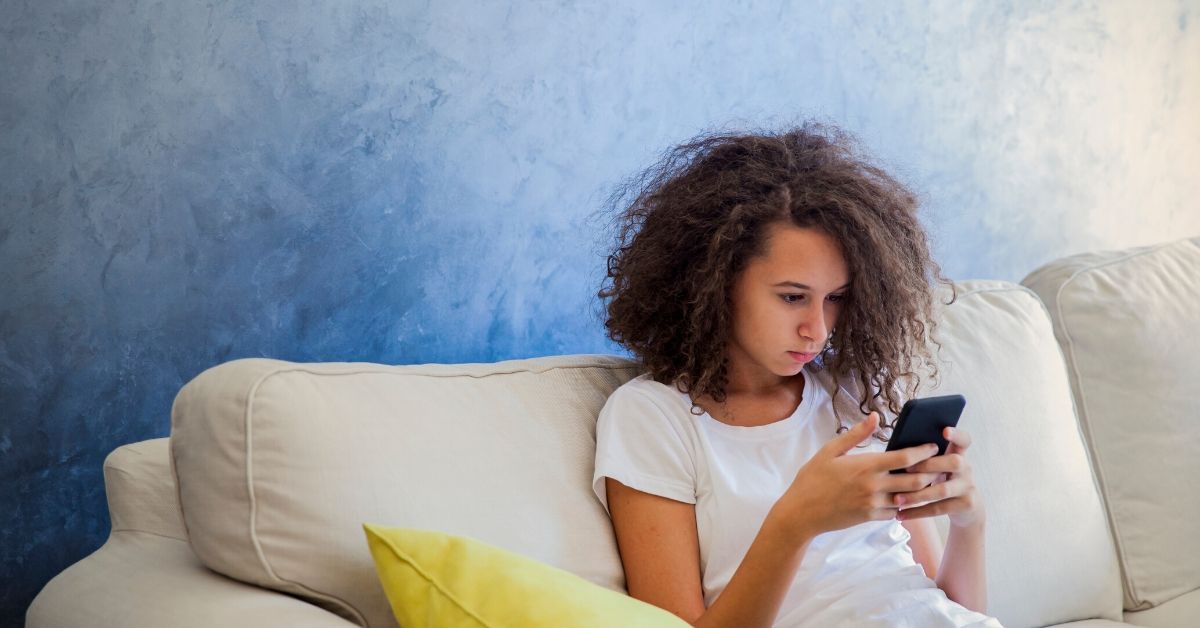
(813, 327)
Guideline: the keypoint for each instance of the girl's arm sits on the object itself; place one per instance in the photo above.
(660, 551)
(961, 574)
(926, 544)
(760, 583)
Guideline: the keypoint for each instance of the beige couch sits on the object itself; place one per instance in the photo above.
(250, 514)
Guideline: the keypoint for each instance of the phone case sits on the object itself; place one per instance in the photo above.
(922, 421)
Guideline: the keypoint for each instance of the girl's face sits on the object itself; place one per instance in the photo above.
(785, 304)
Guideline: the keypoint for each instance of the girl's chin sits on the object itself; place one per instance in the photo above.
(790, 368)
(792, 364)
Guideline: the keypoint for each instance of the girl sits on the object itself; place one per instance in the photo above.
(772, 285)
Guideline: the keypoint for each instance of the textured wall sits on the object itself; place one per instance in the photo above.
(187, 183)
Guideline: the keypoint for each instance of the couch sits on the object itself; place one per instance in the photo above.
(1081, 401)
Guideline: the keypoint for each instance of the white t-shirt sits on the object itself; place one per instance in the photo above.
(864, 575)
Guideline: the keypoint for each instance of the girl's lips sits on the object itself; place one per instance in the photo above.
(802, 357)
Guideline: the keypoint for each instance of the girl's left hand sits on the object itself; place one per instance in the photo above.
(953, 492)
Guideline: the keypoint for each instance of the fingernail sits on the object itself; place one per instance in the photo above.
(899, 500)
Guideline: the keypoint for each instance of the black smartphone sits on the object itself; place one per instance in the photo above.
(922, 421)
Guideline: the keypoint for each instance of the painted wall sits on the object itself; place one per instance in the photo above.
(404, 182)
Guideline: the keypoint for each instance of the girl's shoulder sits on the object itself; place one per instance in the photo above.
(645, 386)
(645, 393)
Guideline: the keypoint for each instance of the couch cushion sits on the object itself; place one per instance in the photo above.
(1128, 324)
(1050, 558)
(279, 464)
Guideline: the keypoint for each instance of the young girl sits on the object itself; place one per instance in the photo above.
(773, 285)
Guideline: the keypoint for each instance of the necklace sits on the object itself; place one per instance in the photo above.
(728, 416)
(725, 410)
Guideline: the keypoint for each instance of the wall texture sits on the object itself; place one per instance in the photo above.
(187, 183)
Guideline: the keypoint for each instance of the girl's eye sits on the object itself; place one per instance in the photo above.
(797, 298)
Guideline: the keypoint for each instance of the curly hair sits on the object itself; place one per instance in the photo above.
(688, 226)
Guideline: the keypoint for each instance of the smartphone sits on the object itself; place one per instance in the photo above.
(922, 421)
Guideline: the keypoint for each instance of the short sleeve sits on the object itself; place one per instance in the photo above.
(643, 447)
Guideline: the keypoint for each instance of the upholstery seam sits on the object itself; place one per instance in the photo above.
(141, 531)
(387, 370)
(1081, 412)
(444, 590)
(1085, 415)
(258, 550)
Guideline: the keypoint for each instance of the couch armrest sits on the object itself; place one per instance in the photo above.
(139, 579)
(141, 489)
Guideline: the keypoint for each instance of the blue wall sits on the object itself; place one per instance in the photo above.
(403, 182)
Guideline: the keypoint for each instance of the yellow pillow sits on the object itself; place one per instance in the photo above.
(434, 579)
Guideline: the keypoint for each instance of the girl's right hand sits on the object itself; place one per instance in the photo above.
(834, 490)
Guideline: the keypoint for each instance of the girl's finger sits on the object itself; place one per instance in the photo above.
(959, 439)
(941, 507)
(934, 492)
(939, 464)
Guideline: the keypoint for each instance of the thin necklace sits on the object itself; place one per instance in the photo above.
(725, 410)
(729, 416)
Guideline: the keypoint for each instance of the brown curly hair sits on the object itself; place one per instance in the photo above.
(687, 227)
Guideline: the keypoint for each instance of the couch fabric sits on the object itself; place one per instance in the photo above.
(146, 575)
(1050, 557)
(141, 497)
(279, 464)
(1129, 325)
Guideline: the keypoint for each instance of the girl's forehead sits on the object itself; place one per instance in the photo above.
(806, 261)
(809, 274)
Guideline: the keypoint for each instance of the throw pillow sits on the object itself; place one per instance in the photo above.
(433, 579)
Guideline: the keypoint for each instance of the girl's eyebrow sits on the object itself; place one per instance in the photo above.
(804, 287)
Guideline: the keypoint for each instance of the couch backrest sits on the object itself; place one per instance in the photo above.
(1050, 558)
(1129, 325)
(279, 464)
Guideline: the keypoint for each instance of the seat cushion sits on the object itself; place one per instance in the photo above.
(1129, 325)
(1050, 558)
(1178, 612)
(1095, 623)
(278, 465)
